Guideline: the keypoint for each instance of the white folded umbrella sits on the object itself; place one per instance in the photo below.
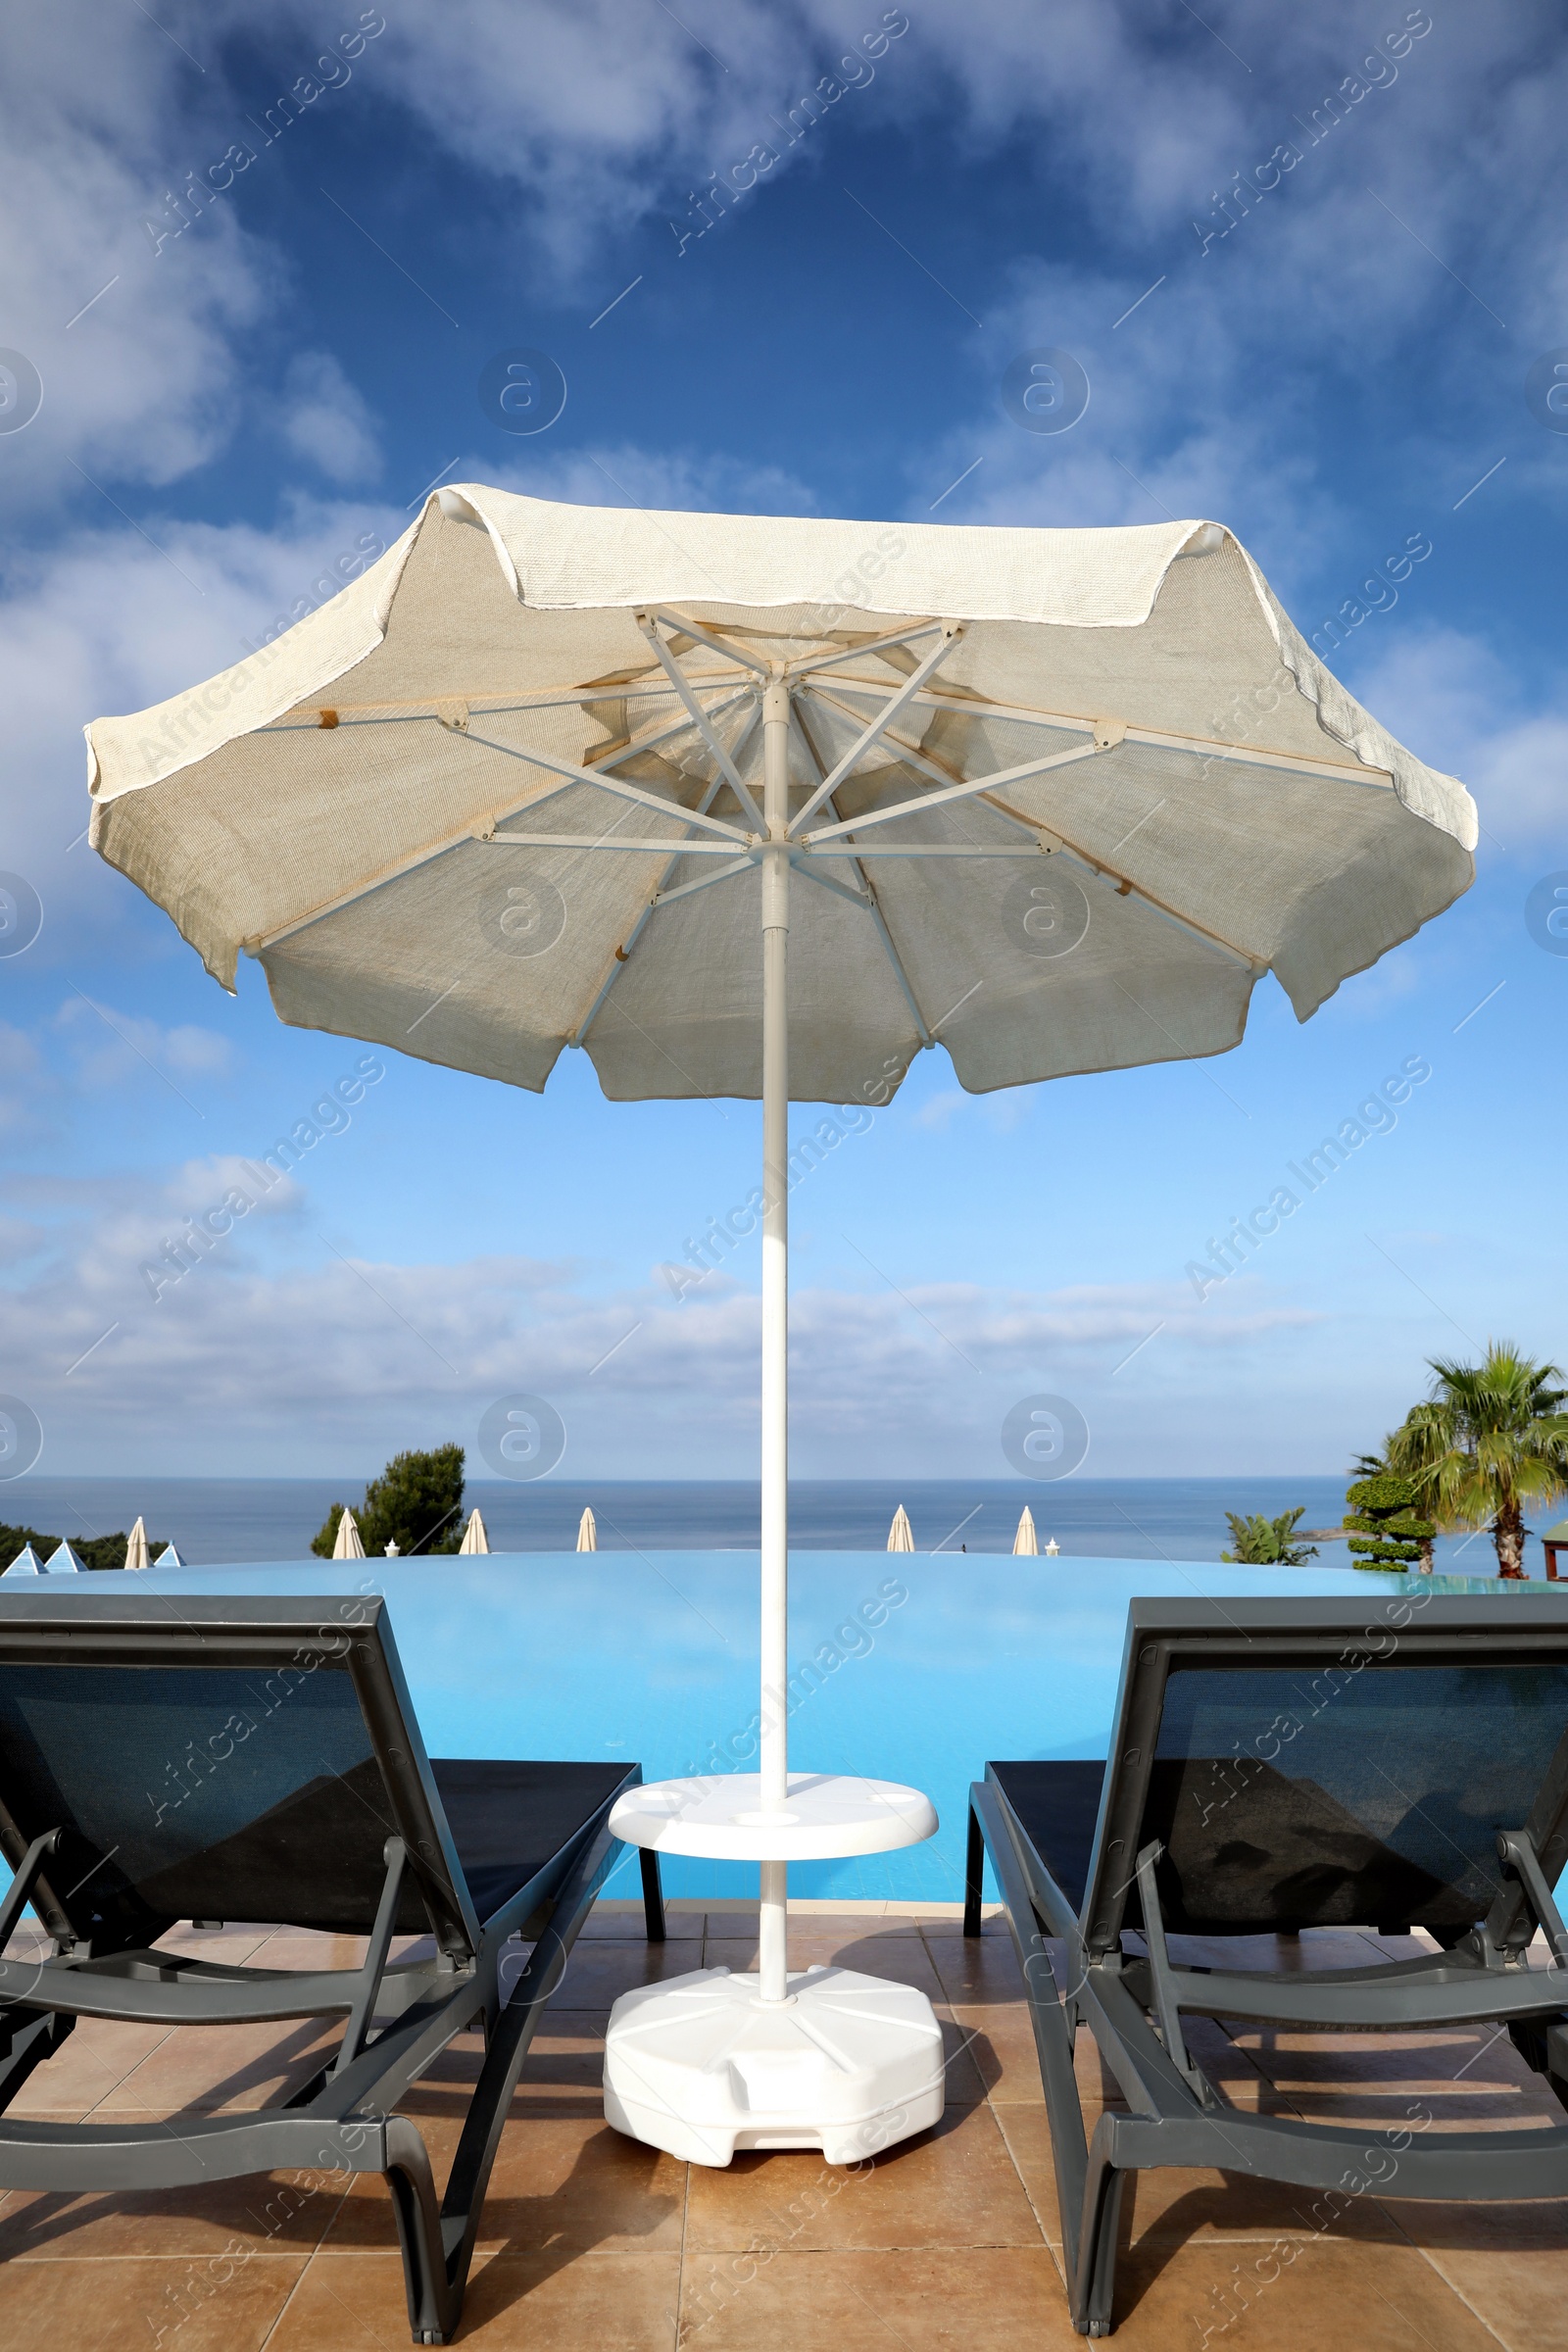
(474, 1538)
(587, 1530)
(1026, 1539)
(347, 1545)
(900, 1536)
(136, 1556)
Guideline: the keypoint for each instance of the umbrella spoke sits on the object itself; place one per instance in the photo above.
(952, 631)
(797, 716)
(699, 719)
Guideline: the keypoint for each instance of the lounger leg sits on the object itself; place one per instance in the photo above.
(435, 2305)
(1094, 2285)
(653, 1895)
(974, 1874)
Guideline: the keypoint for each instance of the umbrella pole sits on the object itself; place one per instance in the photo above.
(772, 1961)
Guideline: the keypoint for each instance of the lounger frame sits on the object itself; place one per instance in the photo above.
(398, 2016)
(1133, 2003)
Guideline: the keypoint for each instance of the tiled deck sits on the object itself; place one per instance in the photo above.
(592, 2243)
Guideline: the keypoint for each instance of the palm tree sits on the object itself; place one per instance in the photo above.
(1492, 1438)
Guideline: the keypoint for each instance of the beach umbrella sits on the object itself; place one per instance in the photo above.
(474, 1538)
(900, 1536)
(1026, 1541)
(753, 806)
(26, 1564)
(347, 1545)
(137, 1546)
(168, 1557)
(62, 1561)
(587, 1530)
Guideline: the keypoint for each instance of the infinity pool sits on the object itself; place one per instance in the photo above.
(904, 1667)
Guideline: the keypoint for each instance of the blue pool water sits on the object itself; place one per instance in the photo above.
(654, 1657)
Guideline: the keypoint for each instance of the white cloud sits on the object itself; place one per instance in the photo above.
(327, 421)
(1453, 698)
(111, 1047)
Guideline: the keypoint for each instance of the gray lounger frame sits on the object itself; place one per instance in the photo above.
(398, 2016)
(1133, 2004)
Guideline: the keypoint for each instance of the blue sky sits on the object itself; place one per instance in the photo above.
(1338, 374)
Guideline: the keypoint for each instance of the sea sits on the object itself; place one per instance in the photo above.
(213, 1521)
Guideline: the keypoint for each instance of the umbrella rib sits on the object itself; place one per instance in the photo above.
(454, 840)
(702, 636)
(1042, 833)
(877, 915)
(683, 890)
(622, 955)
(699, 719)
(952, 631)
(953, 792)
(866, 645)
(974, 706)
(620, 786)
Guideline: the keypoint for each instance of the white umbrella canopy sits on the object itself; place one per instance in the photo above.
(136, 1553)
(474, 1538)
(320, 806)
(548, 775)
(348, 1544)
(587, 1530)
(1026, 1539)
(900, 1536)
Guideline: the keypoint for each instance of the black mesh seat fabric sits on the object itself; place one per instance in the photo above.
(508, 1819)
(1058, 1805)
(256, 1757)
(1282, 1767)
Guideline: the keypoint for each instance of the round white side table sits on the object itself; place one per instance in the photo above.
(823, 2058)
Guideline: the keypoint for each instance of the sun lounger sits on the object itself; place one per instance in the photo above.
(1276, 1766)
(259, 1760)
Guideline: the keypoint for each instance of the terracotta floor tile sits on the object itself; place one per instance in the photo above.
(546, 2303)
(93, 2060)
(560, 2185)
(625, 1924)
(1003, 2299)
(1290, 2298)
(597, 1973)
(264, 2213)
(1002, 2046)
(1521, 2289)
(216, 2304)
(1173, 2204)
(953, 2186)
(978, 1968)
(208, 2068)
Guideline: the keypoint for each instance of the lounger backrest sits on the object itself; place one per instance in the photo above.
(233, 1759)
(1320, 1763)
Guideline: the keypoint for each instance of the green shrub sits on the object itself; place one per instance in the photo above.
(416, 1504)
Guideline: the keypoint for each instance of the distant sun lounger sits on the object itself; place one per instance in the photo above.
(259, 1760)
(1280, 1765)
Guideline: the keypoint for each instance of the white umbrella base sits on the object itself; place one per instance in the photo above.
(702, 2066)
